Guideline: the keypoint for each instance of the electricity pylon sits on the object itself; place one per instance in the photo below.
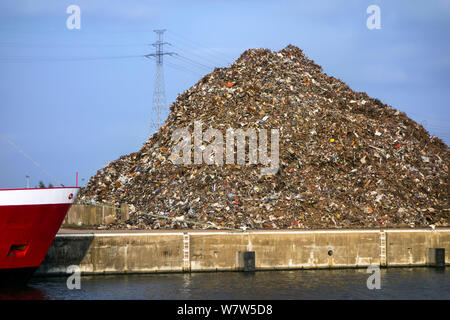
(159, 97)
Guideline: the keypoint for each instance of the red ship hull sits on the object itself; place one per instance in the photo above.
(29, 221)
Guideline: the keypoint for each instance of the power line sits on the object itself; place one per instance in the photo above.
(214, 62)
(181, 68)
(212, 52)
(436, 127)
(424, 117)
(66, 45)
(191, 42)
(29, 158)
(192, 62)
(29, 59)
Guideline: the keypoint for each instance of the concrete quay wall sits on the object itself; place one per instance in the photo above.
(178, 251)
(85, 216)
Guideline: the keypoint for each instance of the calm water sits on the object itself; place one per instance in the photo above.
(405, 283)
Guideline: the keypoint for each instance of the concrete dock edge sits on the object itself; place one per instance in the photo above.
(157, 252)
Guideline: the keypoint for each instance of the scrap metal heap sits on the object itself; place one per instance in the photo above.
(345, 160)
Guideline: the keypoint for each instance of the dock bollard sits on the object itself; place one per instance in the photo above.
(436, 257)
(246, 261)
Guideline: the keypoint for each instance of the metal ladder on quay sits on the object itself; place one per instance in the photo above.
(382, 248)
(186, 255)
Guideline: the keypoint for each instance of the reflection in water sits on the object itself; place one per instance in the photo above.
(27, 293)
(407, 283)
(186, 290)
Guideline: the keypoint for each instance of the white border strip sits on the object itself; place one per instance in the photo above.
(284, 232)
(227, 233)
(116, 234)
(412, 230)
(24, 197)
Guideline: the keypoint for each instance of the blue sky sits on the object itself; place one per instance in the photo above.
(69, 113)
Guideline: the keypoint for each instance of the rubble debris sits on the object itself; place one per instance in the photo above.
(346, 160)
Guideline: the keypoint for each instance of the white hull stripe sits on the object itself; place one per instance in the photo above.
(37, 196)
(227, 233)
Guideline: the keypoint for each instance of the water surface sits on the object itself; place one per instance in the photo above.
(396, 283)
